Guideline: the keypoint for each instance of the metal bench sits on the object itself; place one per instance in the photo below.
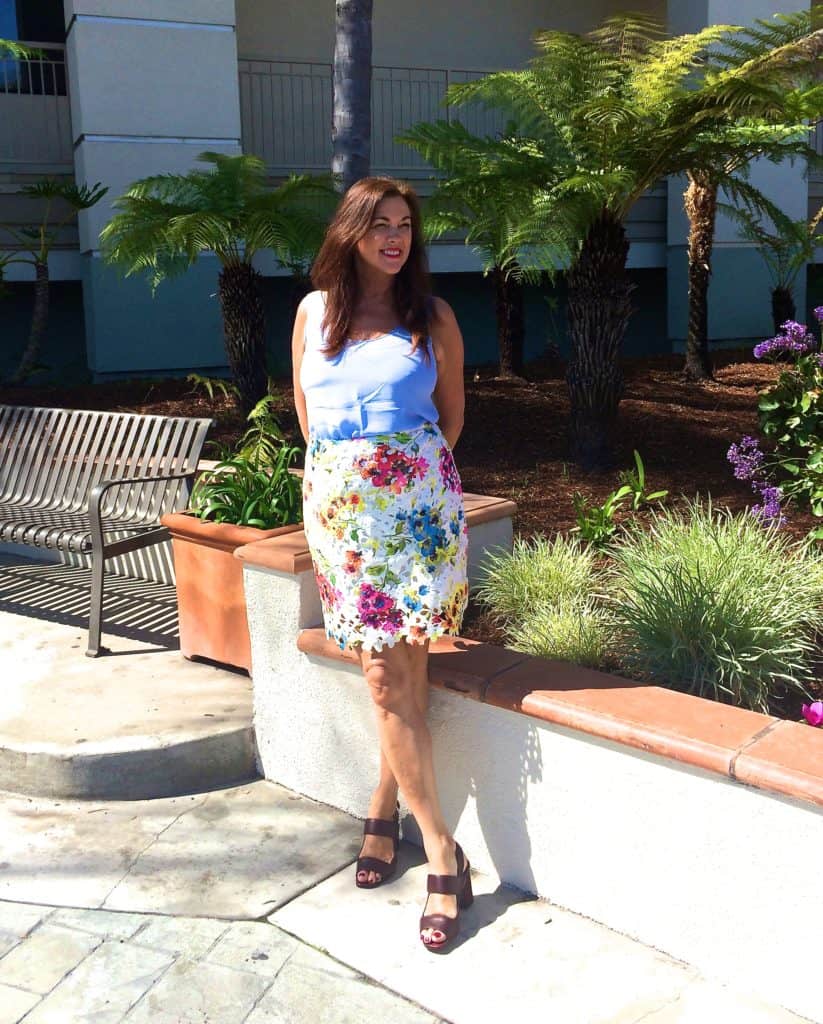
(93, 483)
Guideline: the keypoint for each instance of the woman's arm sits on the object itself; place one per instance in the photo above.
(448, 395)
(297, 342)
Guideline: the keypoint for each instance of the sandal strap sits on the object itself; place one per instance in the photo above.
(449, 885)
(381, 827)
(446, 885)
(449, 926)
(374, 864)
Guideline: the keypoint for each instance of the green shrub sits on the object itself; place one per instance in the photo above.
(716, 605)
(537, 573)
(578, 631)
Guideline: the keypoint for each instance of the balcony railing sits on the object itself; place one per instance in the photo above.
(286, 113)
(35, 123)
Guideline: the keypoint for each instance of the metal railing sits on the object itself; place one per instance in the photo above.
(35, 121)
(286, 113)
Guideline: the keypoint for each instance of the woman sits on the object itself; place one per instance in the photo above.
(378, 385)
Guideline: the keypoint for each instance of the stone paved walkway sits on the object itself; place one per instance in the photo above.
(62, 966)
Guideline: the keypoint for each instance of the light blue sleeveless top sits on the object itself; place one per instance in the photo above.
(370, 387)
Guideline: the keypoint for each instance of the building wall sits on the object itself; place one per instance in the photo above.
(428, 33)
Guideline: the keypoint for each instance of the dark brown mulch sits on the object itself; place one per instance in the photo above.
(514, 441)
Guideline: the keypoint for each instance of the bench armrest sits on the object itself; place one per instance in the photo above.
(99, 490)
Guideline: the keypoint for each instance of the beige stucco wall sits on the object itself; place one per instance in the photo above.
(426, 33)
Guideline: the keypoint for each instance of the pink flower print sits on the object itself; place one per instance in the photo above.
(378, 609)
(391, 469)
(448, 471)
(813, 713)
(329, 595)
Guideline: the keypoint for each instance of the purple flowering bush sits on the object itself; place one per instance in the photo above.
(791, 420)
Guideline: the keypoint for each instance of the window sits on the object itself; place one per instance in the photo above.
(34, 21)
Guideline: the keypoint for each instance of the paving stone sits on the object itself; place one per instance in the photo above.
(15, 1004)
(240, 853)
(184, 936)
(705, 1000)
(313, 987)
(517, 956)
(40, 962)
(198, 993)
(253, 946)
(71, 853)
(100, 922)
(19, 918)
(103, 987)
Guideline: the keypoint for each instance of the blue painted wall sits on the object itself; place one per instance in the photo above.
(63, 352)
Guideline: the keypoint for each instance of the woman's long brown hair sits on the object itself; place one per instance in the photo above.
(335, 271)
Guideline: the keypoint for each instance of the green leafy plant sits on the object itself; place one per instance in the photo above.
(252, 485)
(211, 385)
(596, 524)
(716, 605)
(635, 480)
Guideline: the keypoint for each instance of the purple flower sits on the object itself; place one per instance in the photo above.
(796, 332)
(770, 511)
(818, 314)
(813, 713)
(747, 458)
(783, 343)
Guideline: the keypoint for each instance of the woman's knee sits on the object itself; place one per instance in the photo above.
(390, 689)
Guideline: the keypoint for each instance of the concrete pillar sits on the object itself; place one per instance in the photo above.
(152, 85)
(740, 289)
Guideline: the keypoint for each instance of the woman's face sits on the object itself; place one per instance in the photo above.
(386, 244)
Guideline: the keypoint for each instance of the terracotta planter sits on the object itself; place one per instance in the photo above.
(211, 603)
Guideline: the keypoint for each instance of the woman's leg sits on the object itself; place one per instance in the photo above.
(406, 743)
(384, 798)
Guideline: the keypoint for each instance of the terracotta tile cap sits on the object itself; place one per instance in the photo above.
(468, 665)
(787, 759)
(689, 729)
(287, 553)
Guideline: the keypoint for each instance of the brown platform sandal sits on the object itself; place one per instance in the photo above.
(459, 885)
(379, 827)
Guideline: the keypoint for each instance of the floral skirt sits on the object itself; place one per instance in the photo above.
(386, 528)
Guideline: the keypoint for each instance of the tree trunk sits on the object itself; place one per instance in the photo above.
(39, 319)
(351, 128)
(701, 208)
(783, 307)
(510, 324)
(599, 308)
(244, 329)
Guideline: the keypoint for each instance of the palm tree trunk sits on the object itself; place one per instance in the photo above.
(351, 128)
(510, 323)
(701, 208)
(599, 308)
(783, 307)
(39, 319)
(244, 329)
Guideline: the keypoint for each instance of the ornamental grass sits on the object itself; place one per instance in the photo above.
(716, 605)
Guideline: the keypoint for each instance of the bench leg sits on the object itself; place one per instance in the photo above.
(96, 606)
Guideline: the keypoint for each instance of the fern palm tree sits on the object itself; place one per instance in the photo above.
(485, 196)
(786, 249)
(780, 56)
(351, 119)
(167, 221)
(36, 243)
(601, 118)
